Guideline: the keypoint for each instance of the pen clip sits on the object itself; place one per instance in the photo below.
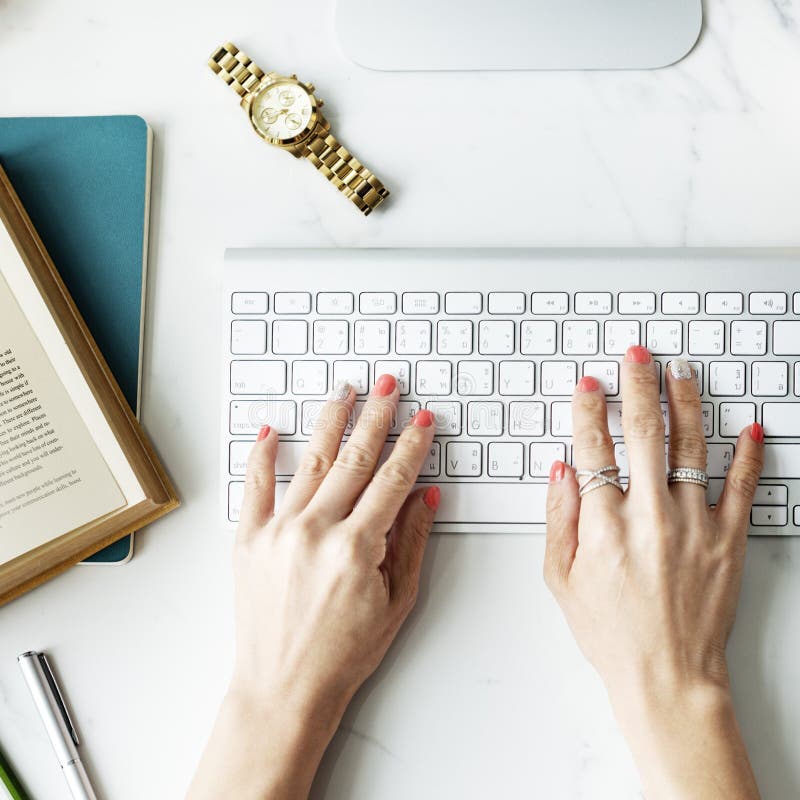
(62, 706)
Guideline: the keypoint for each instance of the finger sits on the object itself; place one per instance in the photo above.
(733, 507)
(355, 465)
(406, 545)
(687, 440)
(643, 423)
(563, 509)
(388, 490)
(258, 502)
(592, 445)
(321, 451)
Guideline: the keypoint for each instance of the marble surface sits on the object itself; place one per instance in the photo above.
(484, 695)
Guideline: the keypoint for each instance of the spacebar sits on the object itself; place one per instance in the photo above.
(487, 503)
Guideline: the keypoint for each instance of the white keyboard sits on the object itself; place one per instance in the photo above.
(493, 342)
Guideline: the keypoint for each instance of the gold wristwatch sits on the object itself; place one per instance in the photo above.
(284, 112)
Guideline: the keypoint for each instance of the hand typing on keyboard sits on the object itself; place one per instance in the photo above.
(649, 580)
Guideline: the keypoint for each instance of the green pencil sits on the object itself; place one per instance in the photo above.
(11, 781)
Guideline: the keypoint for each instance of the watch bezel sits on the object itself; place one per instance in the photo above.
(312, 120)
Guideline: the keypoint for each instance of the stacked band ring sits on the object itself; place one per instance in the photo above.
(688, 475)
(591, 479)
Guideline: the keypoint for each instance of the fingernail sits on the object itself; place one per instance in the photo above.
(341, 391)
(423, 418)
(681, 369)
(432, 497)
(263, 433)
(384, 386)
(557, 471)
(588, 383)
(637, 355)
(757, 432)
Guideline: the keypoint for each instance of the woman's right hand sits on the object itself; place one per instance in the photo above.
(649, 580)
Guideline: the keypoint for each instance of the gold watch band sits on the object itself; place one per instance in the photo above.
(236, 69)
(346, 172)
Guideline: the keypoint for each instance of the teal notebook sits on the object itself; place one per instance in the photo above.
(85, 183)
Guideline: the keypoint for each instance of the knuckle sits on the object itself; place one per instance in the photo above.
(397, 473)
(355, 458)
(688, 443)
(314, 464)
(258, 479)
(643, 424)
(743, 480)
(644, 380)
(594, 438)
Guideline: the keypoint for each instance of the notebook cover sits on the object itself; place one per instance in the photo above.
(84, 182)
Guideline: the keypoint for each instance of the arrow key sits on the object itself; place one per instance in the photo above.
(767, 495)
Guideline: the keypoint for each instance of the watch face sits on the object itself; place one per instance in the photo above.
(282, 111)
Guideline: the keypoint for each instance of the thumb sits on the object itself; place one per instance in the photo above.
(258, 503)
(563, 508)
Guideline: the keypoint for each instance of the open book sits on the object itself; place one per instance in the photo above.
(76, 471)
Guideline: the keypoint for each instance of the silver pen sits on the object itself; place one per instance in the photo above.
(53, 711)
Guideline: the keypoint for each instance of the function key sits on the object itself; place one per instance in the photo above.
(636, 303)
(420, 303)
(249, 303)
(593, 302)
(767, 303)
(292, 302)
(463, 303)
(549, 302)
(506, 302)
(680, 303)
(334, 303)
(377, 302)
(724, 303)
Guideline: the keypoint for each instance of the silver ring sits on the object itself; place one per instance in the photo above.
(595, 478)
(688, 475)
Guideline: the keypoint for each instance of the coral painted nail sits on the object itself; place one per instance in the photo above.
(637, 355)
(432, 497)
(588, 383)
(263, 433)
(423, 418)
(757, 432)
(557, 472)
(384, 386)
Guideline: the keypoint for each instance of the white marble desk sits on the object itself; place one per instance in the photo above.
(484, 695)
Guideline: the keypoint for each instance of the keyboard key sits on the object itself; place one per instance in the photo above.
(464, 459)
(768, 303)
(446, 417)
(606, 372)
(309, 414)
(769, 378)
(680, 303)
(697, 371)
(309, 377)
(454, 337)
(335, 303)
(485, 418)
(237, 457)
(292, 302)
(726, 378)
(249, 416)
(593, 302)
(406, 409)
(707, 416)
(636, 303)
(506, 302)
(724, 303)
(358, 407)
(665, 337)
(475, 378)
(431, 466)
(781, 419)
(331, 336)
(549, 303)
(505, 459)
(561, 419)
(496, 337)
(401, 371)
(356, 373)
(371, 336)
(558, 377)
(420, 303)
(734, 417)
(769, 515)
(412, 337)
(620, 335)
(526, 418)
(796, 306)
(538, 338)
(235, 497)
(769, 495)
(290, 337)
(249, 302)
(749, 338)
(258, 377)
(781, 461)
(797, 378)
(719, 459)
(706, 338)
(516, 378)
(377, 303)
(542, 456)
(248, 337)
(494, 502)
(786, 338)
(463, 303)
(580, 337)
(434, 377)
